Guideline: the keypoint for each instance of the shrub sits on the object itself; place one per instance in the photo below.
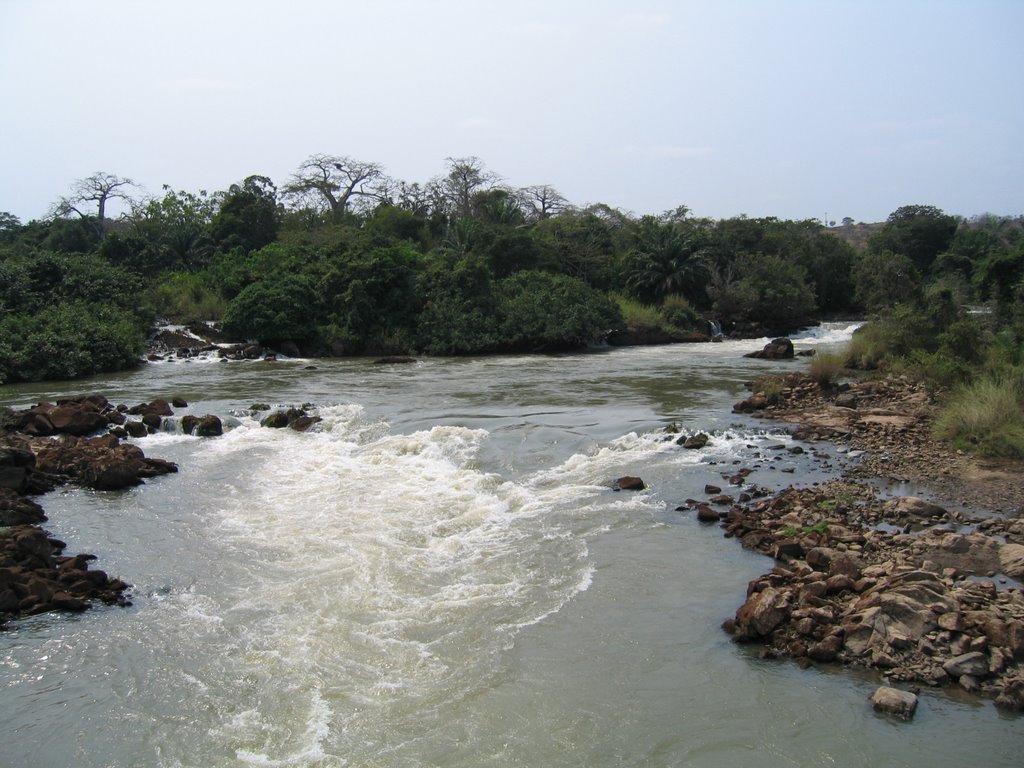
(986, 416)
(68, 341)
(826, 367)
(770, 386)
(187, 297)
(274, 311)
(541, 311)
(637, 316)
(678, 313)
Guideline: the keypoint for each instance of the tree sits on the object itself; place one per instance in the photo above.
(919, 232)
(885, 279)
(666, 260)
(98, 189)
(249, 217)
(330, 182)
(466, 176)
(274, 310)
(543, 201)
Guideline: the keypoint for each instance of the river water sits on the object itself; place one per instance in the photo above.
(440, 575)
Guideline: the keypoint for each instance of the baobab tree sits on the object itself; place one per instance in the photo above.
(543, 201)
(329, 182)
(97, 189)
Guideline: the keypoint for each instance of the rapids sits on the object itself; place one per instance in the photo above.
(440, 575)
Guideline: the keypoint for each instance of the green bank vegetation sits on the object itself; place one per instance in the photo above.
(947, 297)
(342, 259)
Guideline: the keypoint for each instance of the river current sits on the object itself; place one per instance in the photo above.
(440, 575)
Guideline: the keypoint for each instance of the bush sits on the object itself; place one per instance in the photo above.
(637, 316)
(826, 368)
(986, 416)
(271, 311)
(68, 341)
(678, 313)
(186, 297)
(541, 311)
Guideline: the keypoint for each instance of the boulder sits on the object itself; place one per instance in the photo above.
(103, 463)
(1011, 560)
(894, 701)
(896, 613)
(759, 616)
(974, 664)
(912, 506)
(628, 483)
(77, 419)
(706, 514)
(756, 402)
(202, 426)
(776, 349)
(694, 442)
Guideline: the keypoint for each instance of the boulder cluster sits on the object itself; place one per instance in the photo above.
(867, 582)
(924, 594)
(78, 441)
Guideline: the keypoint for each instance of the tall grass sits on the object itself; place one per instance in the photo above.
(826, 368)
(987, 416)
(637, 315)
(186, 297)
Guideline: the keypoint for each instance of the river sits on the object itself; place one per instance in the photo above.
(440, 575)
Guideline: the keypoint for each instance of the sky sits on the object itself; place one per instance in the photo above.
(790, 108)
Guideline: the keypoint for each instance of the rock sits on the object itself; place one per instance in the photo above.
(158, 407)
(103, 463)
(17, 510)
(974, 664)
(722, 499)
(628, 483)
(77, 419)
(706, 514)
(179, 402)
(895, 702)
(1011, 696)
(694, 442)
(711, 489)
(756, 402)
(303, 423)
(763, 611)
(1011, 560)
(289, 349)
(136, 429)
(202, 426)
(776, 349)
(912, 506)
(826, 650)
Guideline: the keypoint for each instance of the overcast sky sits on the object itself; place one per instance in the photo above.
(797, 109)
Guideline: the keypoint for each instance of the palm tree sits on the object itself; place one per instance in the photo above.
(667, 259)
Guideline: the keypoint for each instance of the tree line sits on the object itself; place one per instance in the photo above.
(342, 259)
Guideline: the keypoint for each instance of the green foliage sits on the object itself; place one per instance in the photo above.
(826, 368)
(884, 279)
(370, 297)
(919, 232)
(248, 217)
(772, 292)
(769, 386)
(678, 313)
(460, 312)
(637, 316)
(274, 310)
(545, 312)
(987, 416)
(667, 259)
(187, 297)
(68, 341)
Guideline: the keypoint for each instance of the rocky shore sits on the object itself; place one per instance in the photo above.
(924, 588)
(53, 444)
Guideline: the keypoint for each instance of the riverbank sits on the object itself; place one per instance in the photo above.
(911, 564)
